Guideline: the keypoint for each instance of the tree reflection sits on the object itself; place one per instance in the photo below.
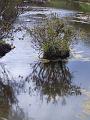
(53, 80)
(7, 98)
(6, 88)
(17, 113)
(9, 89)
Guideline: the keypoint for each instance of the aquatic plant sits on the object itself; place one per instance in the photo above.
(52, 38)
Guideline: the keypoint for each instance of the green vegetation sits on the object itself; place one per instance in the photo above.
(71, 4)
(85, 7)
(57, 3)
(53, 38)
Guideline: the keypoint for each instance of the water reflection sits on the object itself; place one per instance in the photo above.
(7, 96)
(6, 88)
(17, 113)
(53, 80)
(9, 89)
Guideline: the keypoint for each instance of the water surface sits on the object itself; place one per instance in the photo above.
(44, 91)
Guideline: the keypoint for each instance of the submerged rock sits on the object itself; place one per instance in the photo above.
(4, 48)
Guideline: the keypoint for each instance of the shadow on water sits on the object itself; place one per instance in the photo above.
(53, 80)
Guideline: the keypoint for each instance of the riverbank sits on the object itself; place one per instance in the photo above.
(80, 6)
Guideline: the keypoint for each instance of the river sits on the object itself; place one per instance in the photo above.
(67, 95)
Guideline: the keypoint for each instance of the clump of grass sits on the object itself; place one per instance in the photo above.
(53, 38)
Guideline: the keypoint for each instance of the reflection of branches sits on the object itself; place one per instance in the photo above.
(8, 86)
(53, 79)
(6, 89)
(17, 113)
(9, 89)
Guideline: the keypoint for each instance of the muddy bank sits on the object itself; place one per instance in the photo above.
(4, 48)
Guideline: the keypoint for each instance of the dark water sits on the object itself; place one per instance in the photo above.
(35, 90)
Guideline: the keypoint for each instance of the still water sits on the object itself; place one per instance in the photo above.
(45, 91)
